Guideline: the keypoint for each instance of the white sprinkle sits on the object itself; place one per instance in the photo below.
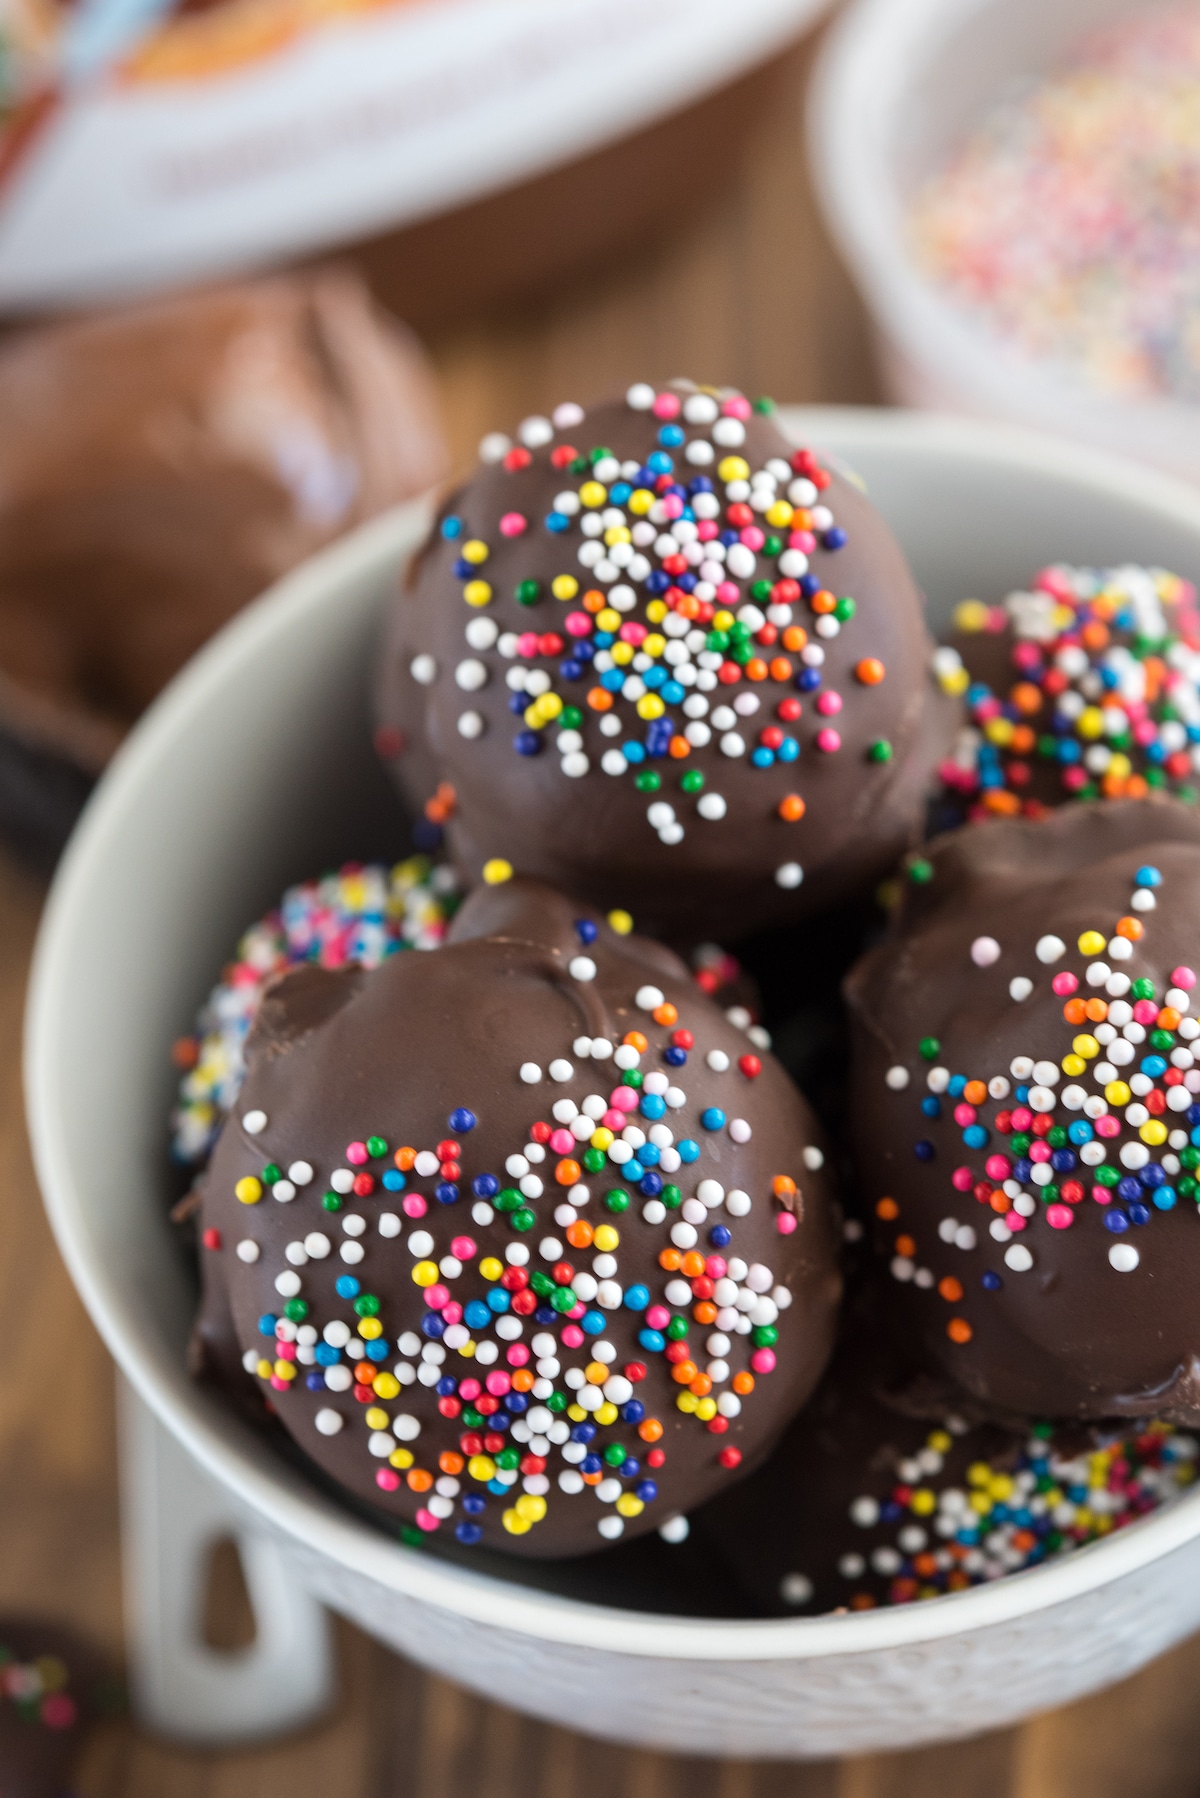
(283, 1192)
(481, 633)
(352, 1253)
(535, 431)
(389, 1224)
(717, 1060)
(648, 998)
(248, 1251)
(1124, 1257)
(712, 807)
(897, 1078)
(789, 875)
(328, 1422)
(342, 1180)
(254, 1123)
(567, 415)
(575, 765)
(423, 669)
(531, 1073)
(1020, 988)
(639, 397)
(737, 1203)
(581, 967)
(813, 1158)
(494, 447)
(470, 726)
(1018, 1258)
(471, 675)
(300, 1173)
(287, 1284)
(674, 1530)
(740, 1130)
(561, 1070)
(984, 951)
(318, 1245)
(1049, 948)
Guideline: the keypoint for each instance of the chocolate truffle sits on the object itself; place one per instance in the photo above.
(868, 1502)
(1026, 1111)
(500, 1224)
(660, 656)
(1085, 687)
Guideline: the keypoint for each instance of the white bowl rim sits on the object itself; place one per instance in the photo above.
(270, 1489)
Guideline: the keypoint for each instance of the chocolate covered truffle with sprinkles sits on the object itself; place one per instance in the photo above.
(1085, 687)
(864, 1504)
(1026, 1111)
(660, 655)
(520, 1240)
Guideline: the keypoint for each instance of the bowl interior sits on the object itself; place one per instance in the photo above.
(256, 769)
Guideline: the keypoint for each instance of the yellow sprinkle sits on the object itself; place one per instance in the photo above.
(1074, 1065)
(1117, 1093)
(551, 704)
(955, 681)
(285, 1370)
(606, 1414)
(723, 620)
(497, 871)
(249, 1190)
(1000, 1487)
(687, 1401)
(621, 922)
(654, 644)
(733, 468)
(939, 1442)
(376, 1419)
(970, 615)
(515, 1524)
(425, 1273)
(999, 731)
(1091, 942)
(640, 501)
(264, 1370)
(477, 593)
(606, 1238)
(491, 1267)
(630, 1505)
(650, 706)
(386, 1386)
(564, 586)
(1090, 722)
(474, 551)
(593, 494)
(608, 620)
(481, 1468)
(369, 1328)
(401, 1458)
(1120, 767)
(779, 514)
(981, 1503)
(978, 1473)
(706, 1409)
(656, 611)
(617, 533)
(530, 1507)
(466, 1349)
(922, 1503)
(1087, 1046)
(595, 1373)
(576, 1413)
(601, 1137)
(1154, 1132)
(622, 654)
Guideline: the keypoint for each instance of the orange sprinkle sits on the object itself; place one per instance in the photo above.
(701, 1386)
(594, 600)
(684, 1372)
(999, 1199)
(1097, 1011)
(523, 1379)
(950, 1289)
(365, 1372)
(568, 1172)
(600, 700)
(1095, 635)
(823, 600)
(579, 1235)
(1131, 928)
(870, 671)
(756, 669)
(742, 1383)
(1168, 1018)
(404, 1159)
(1113, 785)
(1075, 1011)
(781, 669)
(705, 1312)
(679, 747)
(633, 1039)
(1001, 801)
(783, 1186)
(418, 1480)
(1024, 740)
(665, 1014)
(650, 1430)
(692, 1265)
(1027, 698)
(794, 638)
(974, 1092)
(906, 1245)
(959, 1330)
(887, 1209)
(1135, 787)
(451, 1463)
(792, 808)
(670, 1260)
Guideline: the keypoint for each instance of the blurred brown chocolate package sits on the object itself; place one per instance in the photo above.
(159, 467)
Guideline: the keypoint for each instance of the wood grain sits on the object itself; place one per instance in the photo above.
(734, 283)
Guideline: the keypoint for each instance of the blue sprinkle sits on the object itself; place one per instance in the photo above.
(517, 1401)
(476, 1315)
(591, 1464)
(650, 1183)
(583, 1432)
(633, 752)
(1139, 1214)
(1081, 1131)
(394, 1180)
(592, 1323)
(498, 1299)
(1063, 1160)
(612, 680)
(653, 1341)
(619, 492)
(720, 1236)
(809, 584)
(649, 1155)
(1154, 1065)
(517, 704)
(1164, 1198)
(674, 1057)
(485, 1186)
(632, 1170)
(1116, 1221)
(924, 1151)
(527, 742)
(633, 1412)
(557, 521)
(474, 1504)
(991, 1282)
(712, 1118)
(446, 1192)
(630, 1469)
(266, 1324)
(808, 680)
(957, 1085)
(789, 750)
(433, 1327)
(975, 1136)
(314, 1381)
(1147, 877)
(931, 1107)
(656, 581)
(1153, 1175)
(545, 1315)
(762, 757)
(688, 1150)
(327, 1355)
(1129, 1188)
(497, 1486)
(670, 436)
(586, 931)
(468, 1534)
(378, 1349)
(446, 1388)
(834, 538)
(571, 670)
(652, 1105)
(636, 1298)
(673, 693)
(462, 1120)
(452, 527)
(463, 571)
(658, 463)
(347, 1287)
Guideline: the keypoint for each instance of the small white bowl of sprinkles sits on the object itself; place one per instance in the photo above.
(1014, 188)
(255, 771)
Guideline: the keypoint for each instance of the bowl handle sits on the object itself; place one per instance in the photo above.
(172, 1516)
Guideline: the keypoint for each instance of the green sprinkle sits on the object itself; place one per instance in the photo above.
(616, 1200)
(296, 1310)
(593, 1160)
(671, 1197)
(523, 1220)
(570, 718)
(366, 1305)
(677, 1329)
(1143, 989)
(845, 609)
(271, 1173)
(929, 1048)
(692, 781)
(614, 1454)
(332, 1201)
(920, 872)
(880, 751)
(376, 1146)
(764, 405)
(528, 593)
(764, 1336)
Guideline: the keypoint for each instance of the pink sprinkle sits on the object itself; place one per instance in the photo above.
(1059, 1217)
(469, 1390)
(737, 407)
(706, 530)
(517, 1355)
(633, 633)
(498, 1382)
(1064, 984)
(1054, 581)
(576, 1312)
(964, 1115)
(1145, 732)
(763, 1360)
(1184, 977)
(527, 644)
(512, 524)
(578, 624)
(1014, 1220)
(962, 1179)
(828, 741)
(672, 505)
(436, 1296)
(286, 1351)
(413, 1205)
(1039, 1151)
(1102, 1195)
(729, 593)
(613, 1120)
(1026, 656)
(562, 1142)
(997, 1167)
(785, 1223)
(988, 709)
(1145, 1011)
(715, 1267)
(829, 704)
(666, 405)
(462, 1247)
(427, 1521)
(1108, 1125)
(572, 1337)
(657, 1317)
(452, 1313)
(1075, 778)
(356, 1154)
(804, 541)
(58, 1711)
(751, 536)
(279, 1384)
(1022, 1117)
(387, 1479)
(623, 1098)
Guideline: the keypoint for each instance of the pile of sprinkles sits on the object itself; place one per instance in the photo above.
(513, 1347)
(1068, 221)
(1105, 693)
(694, 617)
(1122, 1132)
(37, 1689)
(1009, 1512)
(357, 917)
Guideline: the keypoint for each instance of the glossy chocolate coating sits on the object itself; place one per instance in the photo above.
(402, 1052)
(1026, 1295)
(595, 833)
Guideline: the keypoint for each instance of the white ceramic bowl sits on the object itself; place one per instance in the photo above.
(254, 769)
(898, 85)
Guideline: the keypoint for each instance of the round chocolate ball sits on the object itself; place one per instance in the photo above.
(658, 655)
(518, 1238)
(876, 1496)
(1085, 687)
(1026, 1111)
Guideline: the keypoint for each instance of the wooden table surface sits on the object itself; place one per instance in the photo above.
(733, 282)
